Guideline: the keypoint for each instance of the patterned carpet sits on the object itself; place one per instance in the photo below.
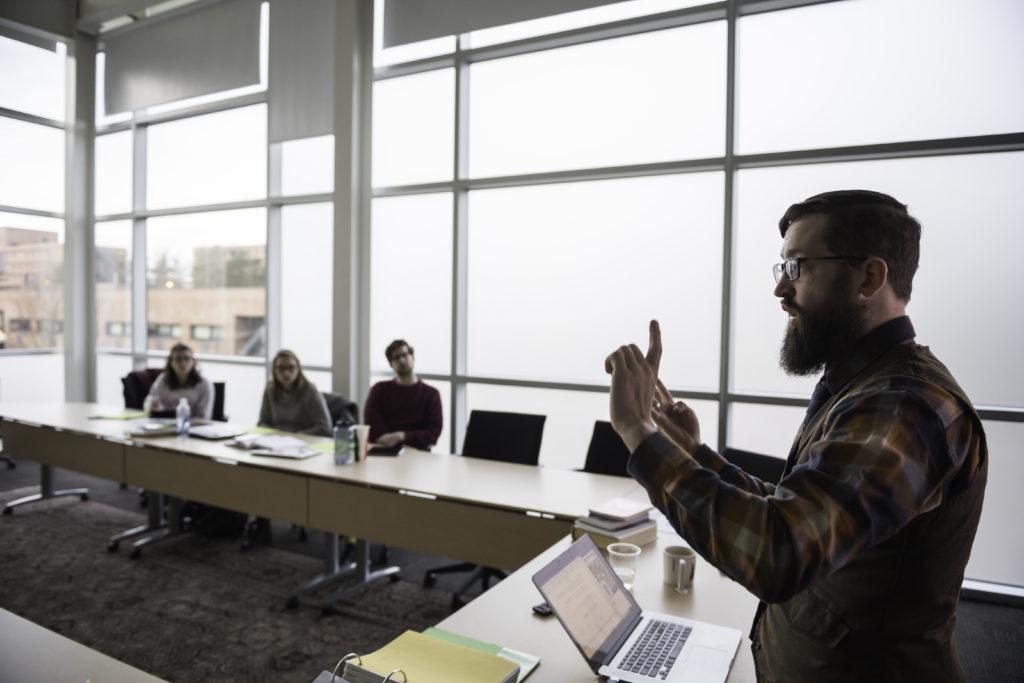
(193, 609)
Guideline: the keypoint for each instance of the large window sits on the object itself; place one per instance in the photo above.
(31, 281)
(601, 176)
(203, 270)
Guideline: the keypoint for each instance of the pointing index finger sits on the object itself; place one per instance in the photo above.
(654, 348)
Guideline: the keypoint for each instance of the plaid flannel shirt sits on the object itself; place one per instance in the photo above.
(886, 455)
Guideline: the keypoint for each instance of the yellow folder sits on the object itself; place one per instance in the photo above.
(428, 660)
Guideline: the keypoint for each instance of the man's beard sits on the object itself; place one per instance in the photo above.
(815, 338)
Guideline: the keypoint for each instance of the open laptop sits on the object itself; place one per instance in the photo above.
(616, 637)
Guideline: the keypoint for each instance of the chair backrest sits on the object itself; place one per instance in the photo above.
(341, 409)
(509, 437)
(607, 453)
(218, 402)
(767, 468)
(136, 384)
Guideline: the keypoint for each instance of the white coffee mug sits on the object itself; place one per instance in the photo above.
(680, 563)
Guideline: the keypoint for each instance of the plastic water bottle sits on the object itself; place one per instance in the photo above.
(344, 443)
(183, 414)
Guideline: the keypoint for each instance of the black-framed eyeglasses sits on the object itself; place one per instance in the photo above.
(791, 266)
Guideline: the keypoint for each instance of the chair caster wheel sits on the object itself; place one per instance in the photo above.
(84, 496)
(329, 611)
(293, 603)
(136, 553)
(429, 580)
(8, 511)
(112, 546)
(395, 578)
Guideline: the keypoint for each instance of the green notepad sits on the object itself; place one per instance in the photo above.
(263, 430)
(527, 663)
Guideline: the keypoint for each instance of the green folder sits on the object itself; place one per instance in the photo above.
(527, 663)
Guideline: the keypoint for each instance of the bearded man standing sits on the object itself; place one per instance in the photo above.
(858, 553)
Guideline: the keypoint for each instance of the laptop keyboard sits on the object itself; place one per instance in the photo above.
(656, 650)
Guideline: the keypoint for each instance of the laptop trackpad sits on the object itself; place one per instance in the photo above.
(706, 663)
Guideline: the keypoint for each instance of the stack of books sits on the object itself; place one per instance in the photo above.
(617, 521)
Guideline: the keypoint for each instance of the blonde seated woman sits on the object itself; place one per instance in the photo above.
(291, 402)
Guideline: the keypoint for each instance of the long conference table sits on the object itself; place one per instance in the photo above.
(491, 513)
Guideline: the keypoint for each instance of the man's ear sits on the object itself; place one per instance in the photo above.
(875, 275)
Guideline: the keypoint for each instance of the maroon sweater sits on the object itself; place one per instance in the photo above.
(414, 409)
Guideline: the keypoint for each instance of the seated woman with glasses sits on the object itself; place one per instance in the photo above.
(291, 402)
(181, 379)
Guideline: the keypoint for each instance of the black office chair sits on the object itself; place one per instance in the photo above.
(767, 468)
(508, 437)
(341, 409)
(607, 453)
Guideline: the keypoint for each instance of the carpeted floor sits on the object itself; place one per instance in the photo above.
(196, 610)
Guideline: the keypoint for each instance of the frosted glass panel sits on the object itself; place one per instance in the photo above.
(411, 279)
(570, 20)
(996, 557)
(32, 167)
(32, 378)
(215, 158)
(307, 251)
(32, 78)
(307, 166)
(114, 173)
(320, 378)
(968, 282)
(872, 71)
(206, 281)
(109, 371)
(413, 128)
(113, 270)
(243, 389)
(761, 428)
(570, 416)
(561, 275)
(646, 98)
(31, 281)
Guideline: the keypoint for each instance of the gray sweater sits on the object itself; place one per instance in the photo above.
(303, 411)
(199, 397)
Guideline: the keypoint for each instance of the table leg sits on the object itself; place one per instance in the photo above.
(45, 491)
(154, 522)
(364, 576)
(172, 528)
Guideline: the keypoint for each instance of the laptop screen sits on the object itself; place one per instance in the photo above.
(594, 607)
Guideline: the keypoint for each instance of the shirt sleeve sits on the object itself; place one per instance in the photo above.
(373, 415)
(318, 413)
(881, 461)
(266, 412)
(156, 389)
(204, 399)
(730, 473)
(426, 436)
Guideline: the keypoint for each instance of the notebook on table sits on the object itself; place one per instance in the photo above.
(618, 638)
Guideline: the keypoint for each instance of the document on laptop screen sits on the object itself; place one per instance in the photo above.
(589, 600)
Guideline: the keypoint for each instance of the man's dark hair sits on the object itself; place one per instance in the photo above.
(866, 223)
(395, 345)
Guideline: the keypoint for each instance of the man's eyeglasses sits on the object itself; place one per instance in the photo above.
(791, 266)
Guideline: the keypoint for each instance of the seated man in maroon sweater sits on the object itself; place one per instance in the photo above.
(404, 410)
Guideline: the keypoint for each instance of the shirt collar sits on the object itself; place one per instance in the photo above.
(867, 349)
